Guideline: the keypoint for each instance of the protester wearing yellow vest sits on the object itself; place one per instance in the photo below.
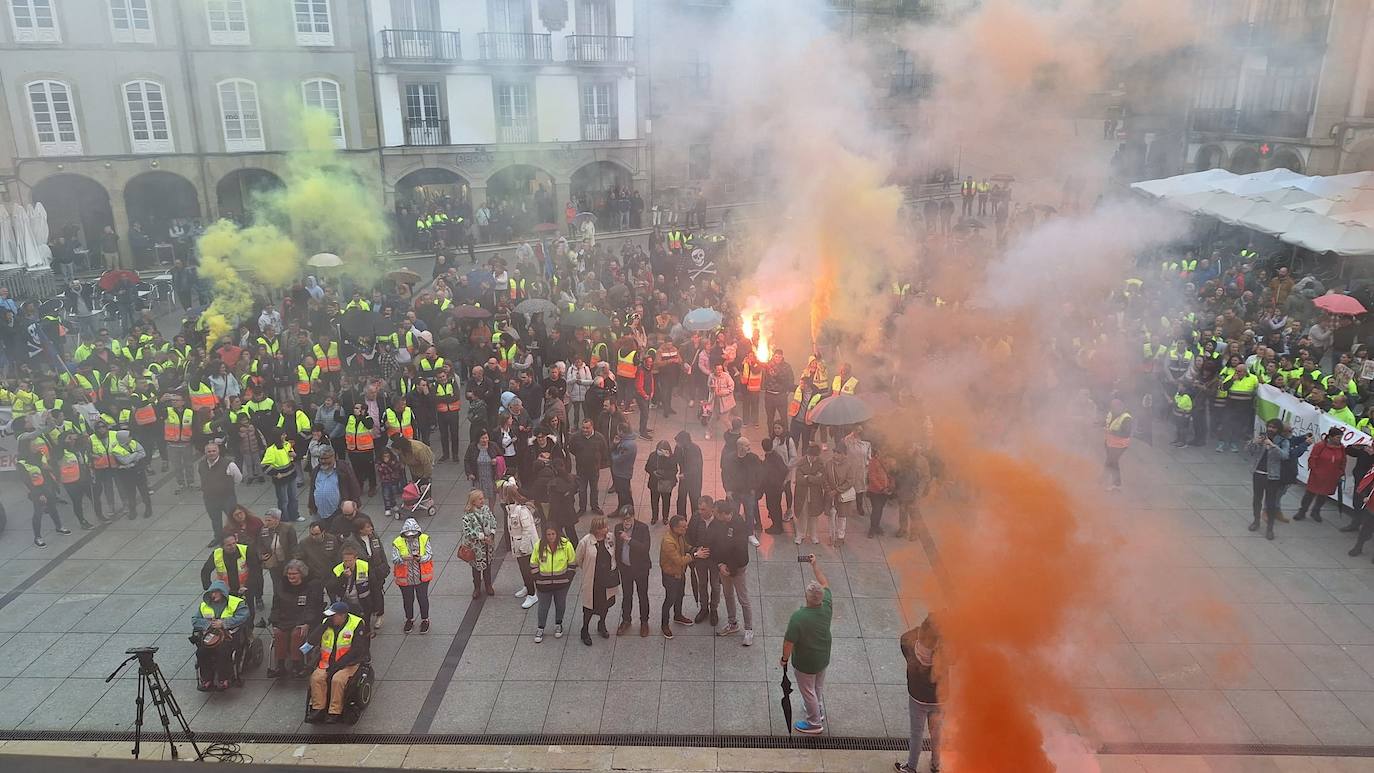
(344, 642)
(1118, 438)
(38, 479)
(446, 400)
(413, 564)
(400, 420)
(1239, 419)
(1183, 416)
(221, 614)
(176, 433)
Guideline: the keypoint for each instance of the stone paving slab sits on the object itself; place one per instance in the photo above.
(1294, 663)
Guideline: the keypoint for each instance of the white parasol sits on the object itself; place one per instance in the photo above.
(27, 254)
(7, 245)
(38, 223)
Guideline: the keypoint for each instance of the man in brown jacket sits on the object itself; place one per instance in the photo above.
(674, 556)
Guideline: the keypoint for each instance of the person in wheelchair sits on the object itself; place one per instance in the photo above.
(345, 644)
(297, 603)
(218, 631)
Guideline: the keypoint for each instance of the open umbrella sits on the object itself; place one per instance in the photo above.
(471, 312)
(583, 217)
(403, 276)
(586, 318)
(325, 260)
(531, 306)
(361, 323)
(841, 410)
(111, 281)
(1339, 304)
(700, 320)
(787, 699)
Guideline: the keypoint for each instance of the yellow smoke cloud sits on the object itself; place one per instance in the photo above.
(325, 206)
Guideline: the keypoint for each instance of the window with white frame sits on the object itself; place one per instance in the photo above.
(313, 26)
(131, 21)
(228, 22)
(323, 94)
(513, 113)
(598, 111)
(150, 131)
(35, 21)
(54, 118)
(238, 108)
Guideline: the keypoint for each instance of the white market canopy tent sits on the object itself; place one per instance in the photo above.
(1322, 214)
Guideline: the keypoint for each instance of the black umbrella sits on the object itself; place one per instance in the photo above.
(787, 699)
(586, 318)
(360, 323)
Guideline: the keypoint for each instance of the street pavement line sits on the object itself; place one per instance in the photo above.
(57, 560)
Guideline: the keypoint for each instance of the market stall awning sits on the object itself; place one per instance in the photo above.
(1322, 214)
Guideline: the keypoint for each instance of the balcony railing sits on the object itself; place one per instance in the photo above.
(610, 49)
(515, 131)
(426, 131)
(594, 129)
(515, 47)
(1273, 123)
(1214, 119)
(422, 45)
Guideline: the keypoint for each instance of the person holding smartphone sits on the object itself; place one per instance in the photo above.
(806, 645)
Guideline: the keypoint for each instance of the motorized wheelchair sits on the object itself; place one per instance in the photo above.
(357, 695)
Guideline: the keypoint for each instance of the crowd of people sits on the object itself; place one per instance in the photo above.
(1212, 331)
(337, 390)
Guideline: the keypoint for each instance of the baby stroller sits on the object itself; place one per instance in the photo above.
(415, 497)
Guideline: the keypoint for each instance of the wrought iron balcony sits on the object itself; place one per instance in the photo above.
(422, 45)
(515, 47)
(608, 49)
(426, 131)
(602, 128)
(515, 131)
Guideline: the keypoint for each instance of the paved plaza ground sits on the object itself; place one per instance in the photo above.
(1307, 612)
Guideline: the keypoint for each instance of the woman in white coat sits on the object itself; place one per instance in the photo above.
(600, 577)
(524, 532)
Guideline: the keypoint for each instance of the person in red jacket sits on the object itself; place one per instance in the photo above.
(646, 381)
(1325, 468)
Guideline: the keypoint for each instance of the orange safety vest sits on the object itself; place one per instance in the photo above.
(402, 570)
(400, 425)
(102, 459)
(445, 399)
(305, 381)
(177, 429)
(329, 647)
(753, 377)
(625, 366)
(356, 436)
(222, 571)
(1114, 437)
(70, 471)
(145, 415)
(35, 474)
(202, 396)
(329, 360)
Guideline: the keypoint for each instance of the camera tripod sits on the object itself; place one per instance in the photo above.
(151, 682)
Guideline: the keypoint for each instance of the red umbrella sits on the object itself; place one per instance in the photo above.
(114, 280)
(1339, 304)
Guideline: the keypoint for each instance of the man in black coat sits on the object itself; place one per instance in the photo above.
(728, 539)
(632, 548)
(688, 457)
(591, 452)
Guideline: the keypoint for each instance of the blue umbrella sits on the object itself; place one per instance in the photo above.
(700, 320)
